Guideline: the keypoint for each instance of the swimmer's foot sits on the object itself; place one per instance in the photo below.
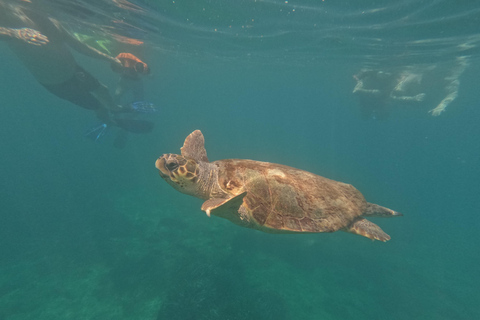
(143, 107)
(97, 132)
(436, 111)
(441, 107)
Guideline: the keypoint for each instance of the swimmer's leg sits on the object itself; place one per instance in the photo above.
(120, 90)
(103, 96)
(443, 104)
(452, 86)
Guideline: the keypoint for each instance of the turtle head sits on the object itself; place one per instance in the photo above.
(180, 172)
(190, 172)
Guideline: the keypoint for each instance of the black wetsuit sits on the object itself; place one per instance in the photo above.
(78, 89)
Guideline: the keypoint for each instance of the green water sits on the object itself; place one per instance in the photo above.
(89, 231)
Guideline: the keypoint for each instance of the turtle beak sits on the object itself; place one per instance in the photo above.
(160, 165)
(167, 164)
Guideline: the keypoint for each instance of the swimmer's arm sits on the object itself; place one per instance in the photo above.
(360, 88)
(28, 35)
(5, 33)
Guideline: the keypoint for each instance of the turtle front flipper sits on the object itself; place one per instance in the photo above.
(367, 229)
(194, 147)
(224, 207)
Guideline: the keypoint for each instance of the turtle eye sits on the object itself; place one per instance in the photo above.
(171, 166)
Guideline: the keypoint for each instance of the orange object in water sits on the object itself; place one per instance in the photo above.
(132, 65)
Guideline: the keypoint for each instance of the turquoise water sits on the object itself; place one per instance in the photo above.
(89, 231)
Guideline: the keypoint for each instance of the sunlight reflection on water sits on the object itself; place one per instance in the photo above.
(298, 31)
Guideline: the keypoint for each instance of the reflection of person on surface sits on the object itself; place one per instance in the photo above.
(40, 42)
(373, 92)
(378, 90)
(452, 83)
(406, 85)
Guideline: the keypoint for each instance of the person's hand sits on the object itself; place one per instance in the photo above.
(436, 111)
(31, 36)
(420, 97)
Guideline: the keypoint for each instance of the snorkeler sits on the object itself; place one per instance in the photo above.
(131, 69)
(40, 42)
(378, 89)
(373, 89)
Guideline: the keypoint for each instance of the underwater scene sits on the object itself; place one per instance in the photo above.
(113, 206)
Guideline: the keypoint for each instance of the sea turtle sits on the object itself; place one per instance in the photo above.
(269, 197)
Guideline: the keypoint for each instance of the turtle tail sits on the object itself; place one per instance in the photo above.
(374, 210)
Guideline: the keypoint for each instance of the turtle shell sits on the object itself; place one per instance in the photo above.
(284, 199)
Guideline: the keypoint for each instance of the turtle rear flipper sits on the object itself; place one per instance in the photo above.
(374, 210)
(367, 229)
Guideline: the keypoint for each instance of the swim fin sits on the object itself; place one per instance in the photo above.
(97, 132)
(143, 107)
(135, 126)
